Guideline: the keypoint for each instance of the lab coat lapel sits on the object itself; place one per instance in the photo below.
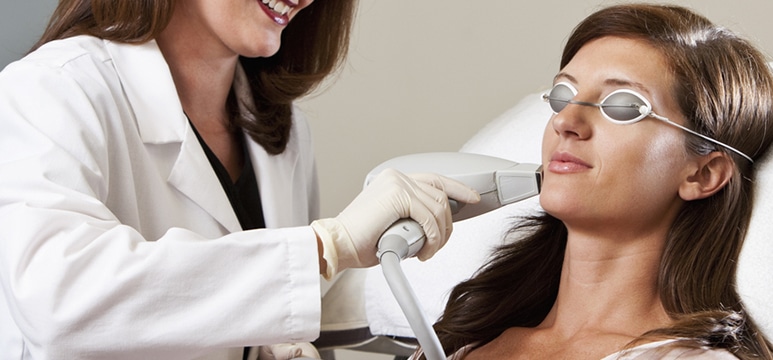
(193, 175)
(160, 119)
(276, 179)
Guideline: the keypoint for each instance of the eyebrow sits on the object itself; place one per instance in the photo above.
(611, 82)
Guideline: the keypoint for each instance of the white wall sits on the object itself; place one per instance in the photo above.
(424, 75)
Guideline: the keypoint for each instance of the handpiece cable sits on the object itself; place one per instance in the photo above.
(392, 248)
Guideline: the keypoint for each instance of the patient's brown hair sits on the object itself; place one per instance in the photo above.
(725, 90)
(314, 45)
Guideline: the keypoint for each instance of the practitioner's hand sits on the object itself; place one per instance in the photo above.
(350, 239)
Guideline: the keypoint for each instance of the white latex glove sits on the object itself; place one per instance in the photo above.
(350, 239)
(288, 351)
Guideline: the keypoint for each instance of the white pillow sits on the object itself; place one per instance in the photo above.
(516, 134)
(755, 265)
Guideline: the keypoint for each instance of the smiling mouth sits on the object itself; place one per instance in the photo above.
(279, 7)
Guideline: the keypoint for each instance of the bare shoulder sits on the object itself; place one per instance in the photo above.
(534, 344)
(671, 350)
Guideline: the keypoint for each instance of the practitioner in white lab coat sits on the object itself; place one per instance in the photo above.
(139, 143)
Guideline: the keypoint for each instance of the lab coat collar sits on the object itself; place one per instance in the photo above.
(148, 84)
(193, 175)
(150, 90)
(149, 87)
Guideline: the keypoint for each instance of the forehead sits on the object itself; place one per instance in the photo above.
(616, 62)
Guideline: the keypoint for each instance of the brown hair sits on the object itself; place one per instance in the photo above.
(725, 90)
(314, 45)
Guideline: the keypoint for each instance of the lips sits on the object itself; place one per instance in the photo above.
(562, 162)
(278, 10)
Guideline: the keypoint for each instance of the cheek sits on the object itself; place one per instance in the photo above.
(548, 141)
(646, 170)
(663, 154)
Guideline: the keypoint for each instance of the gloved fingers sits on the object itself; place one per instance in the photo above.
(390, 190)
(454, 189)
(308, 350)
(449, 188)
(431, 210)
(436, 202)
(288, 351)
(423, 202)
(389, 197)
(277, 352)
(434, 239)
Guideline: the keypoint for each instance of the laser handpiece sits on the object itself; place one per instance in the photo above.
(498, 181)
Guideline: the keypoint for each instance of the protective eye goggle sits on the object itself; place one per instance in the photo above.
(622, 106)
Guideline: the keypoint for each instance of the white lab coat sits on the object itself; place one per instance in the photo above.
(114, 229)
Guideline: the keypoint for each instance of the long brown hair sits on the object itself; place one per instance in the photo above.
(314, 45)
(725, 90)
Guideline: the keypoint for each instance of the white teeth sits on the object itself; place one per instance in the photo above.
(281, 8)
(277, 6)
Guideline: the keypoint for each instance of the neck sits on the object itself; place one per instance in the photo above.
(609, 286)
(202, 70)
(203, 73)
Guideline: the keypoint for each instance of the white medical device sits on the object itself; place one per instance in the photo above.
(498, 181)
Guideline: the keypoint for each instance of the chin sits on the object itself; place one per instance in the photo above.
(257, 44)
(558, 205)
(260, 52)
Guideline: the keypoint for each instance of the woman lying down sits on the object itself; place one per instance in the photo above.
(649, 162)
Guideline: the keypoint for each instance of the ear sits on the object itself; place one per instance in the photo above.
(711, 174)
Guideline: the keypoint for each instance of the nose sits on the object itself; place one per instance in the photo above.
(572, 121)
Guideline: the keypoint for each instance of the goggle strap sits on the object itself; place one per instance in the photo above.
(704, 137)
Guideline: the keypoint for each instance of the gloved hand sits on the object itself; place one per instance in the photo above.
(350, 239)
(288, 351)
